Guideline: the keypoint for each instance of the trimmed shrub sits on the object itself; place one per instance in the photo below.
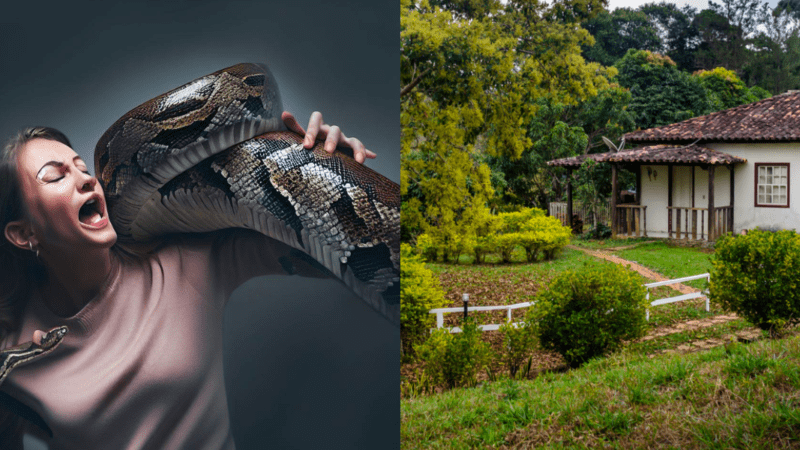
(455, 359)
(528, 228)
(757, 276)
(589, 313)
(419, 293)
(483, 245)
(505, 244)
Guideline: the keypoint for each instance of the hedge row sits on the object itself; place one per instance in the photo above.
(500, 234)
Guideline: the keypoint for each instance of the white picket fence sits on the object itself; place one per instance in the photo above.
(491, 327)
(440, 312)
(679, 298)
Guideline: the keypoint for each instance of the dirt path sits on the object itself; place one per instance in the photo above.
(642, 270)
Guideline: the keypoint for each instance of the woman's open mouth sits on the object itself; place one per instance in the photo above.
(91, 214)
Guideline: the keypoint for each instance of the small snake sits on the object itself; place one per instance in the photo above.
(214, 154)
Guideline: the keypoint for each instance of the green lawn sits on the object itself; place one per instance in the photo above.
(741, 397)
(602, 244)
(671, 261)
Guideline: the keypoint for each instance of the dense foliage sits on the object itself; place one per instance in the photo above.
(588, 313)
(455, 359)
(518, 341)
(470, 73)
(528, 228)
(419, 293)
(757, 276)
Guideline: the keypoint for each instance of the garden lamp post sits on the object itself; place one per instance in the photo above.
(465, 299)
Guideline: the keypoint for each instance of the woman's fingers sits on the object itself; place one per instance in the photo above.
(291, 123)
(331, 134)
(316, 128)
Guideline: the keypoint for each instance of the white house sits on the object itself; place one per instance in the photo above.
(727, 171)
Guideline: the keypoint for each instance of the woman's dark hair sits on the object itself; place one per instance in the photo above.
(21, 268)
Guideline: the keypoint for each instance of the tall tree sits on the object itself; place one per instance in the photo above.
(775, 62)
(661, 94)
(725, 90)
(557, 131)
(471, 69)
(619, 31)
(679, 37)
(721, 43)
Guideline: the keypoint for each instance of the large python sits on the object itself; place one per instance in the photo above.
(214, 154)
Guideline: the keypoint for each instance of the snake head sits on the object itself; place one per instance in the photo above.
(54, 337)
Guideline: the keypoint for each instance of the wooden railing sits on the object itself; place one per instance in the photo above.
(691, 222)
(632, 220)
(559, 210)
(723, 221)
(685, 220)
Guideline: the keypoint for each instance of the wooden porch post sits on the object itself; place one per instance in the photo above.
(694, 211)
(669, 201)
(639, 185)
(614, 191)
(712, 222)
(730, 212)
(569, 199)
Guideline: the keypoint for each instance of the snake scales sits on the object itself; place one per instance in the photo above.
(214, 154)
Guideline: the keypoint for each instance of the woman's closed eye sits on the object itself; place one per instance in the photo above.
(54, 171)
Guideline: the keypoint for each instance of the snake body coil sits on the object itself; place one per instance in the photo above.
(213, 154)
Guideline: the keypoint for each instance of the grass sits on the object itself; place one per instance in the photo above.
(742, 397)
(490, 284)
(645, 395)
(603, 244)
(671, 261)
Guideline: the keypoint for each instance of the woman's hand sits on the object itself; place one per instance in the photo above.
(331, 133)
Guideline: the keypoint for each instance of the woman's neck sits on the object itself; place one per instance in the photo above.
(75, 279)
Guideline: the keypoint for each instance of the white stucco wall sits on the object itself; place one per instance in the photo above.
(746, 214)
(655, 189)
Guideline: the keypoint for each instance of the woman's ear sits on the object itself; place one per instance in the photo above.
(19, 233)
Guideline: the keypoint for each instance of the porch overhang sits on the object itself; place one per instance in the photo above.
(720, 219)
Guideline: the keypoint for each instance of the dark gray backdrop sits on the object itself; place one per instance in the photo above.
(307, 364)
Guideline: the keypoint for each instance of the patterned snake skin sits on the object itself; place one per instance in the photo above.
(214, 154)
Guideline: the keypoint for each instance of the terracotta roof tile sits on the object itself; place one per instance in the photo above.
(656, 154)
(663, 154)
(773, 119)
(576, 161)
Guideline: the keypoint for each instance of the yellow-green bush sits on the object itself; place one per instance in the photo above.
(505, 243)
(528, 228)
(419, 292)
(757, 276)
(427, 247)
(545, 234)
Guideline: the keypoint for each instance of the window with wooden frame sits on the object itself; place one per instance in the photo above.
(772, 185)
